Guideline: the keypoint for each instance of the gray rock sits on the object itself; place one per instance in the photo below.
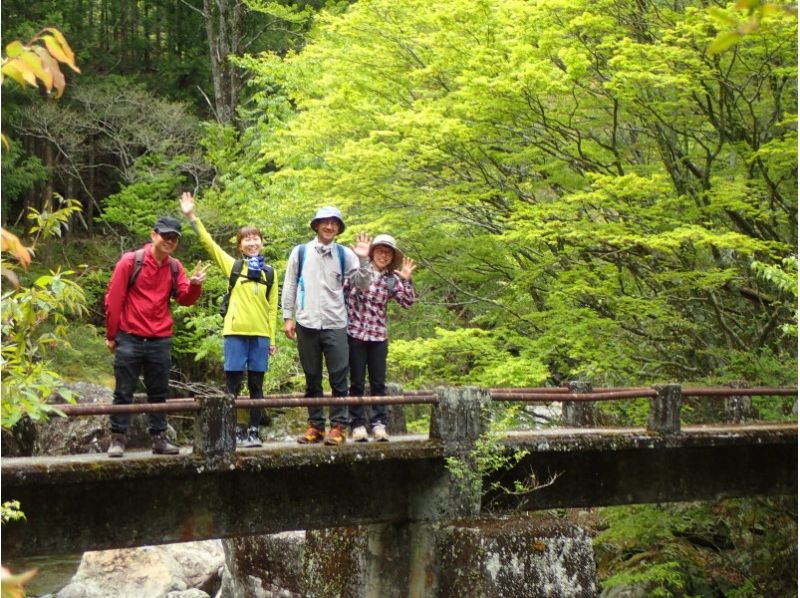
(148, 572)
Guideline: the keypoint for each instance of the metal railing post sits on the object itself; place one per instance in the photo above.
(665, 410)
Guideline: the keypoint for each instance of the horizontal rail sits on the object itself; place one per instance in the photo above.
(585, 396)
(429, 399)
(189, 405)
(737, 392)
(533, 394)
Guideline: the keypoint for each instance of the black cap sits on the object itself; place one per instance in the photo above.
(165, 224)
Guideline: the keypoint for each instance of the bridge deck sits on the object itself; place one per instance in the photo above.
(83, 502)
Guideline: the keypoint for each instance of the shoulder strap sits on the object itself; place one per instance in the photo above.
(173, 264)
(342, 259)
(301, 255)
(138, 258)
(269, 271)
(236, 270)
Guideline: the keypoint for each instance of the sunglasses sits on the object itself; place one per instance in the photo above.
(170, 236)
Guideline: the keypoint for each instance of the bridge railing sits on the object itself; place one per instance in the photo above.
(215, 420)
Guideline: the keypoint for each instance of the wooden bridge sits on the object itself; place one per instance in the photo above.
(90, 502)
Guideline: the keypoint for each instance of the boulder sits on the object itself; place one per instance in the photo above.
(188, 570)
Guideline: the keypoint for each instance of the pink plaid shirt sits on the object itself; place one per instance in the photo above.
(366, 310)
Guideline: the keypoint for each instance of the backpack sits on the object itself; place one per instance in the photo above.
(138, 258)
(301, 255)
(235, 272)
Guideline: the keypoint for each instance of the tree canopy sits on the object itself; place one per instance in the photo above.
(583, 180)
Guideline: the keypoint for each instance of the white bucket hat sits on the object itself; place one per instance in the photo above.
(327, 212)
(388, 241)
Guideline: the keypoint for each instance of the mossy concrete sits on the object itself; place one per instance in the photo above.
(521, 556)
(90, 502)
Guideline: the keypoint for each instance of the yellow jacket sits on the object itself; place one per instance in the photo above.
(250, 312)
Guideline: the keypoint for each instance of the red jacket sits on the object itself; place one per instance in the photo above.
(143, 309)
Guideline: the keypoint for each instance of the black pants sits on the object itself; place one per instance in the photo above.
(137, 355)
(255, 385)
(367, 356)
(312, 345)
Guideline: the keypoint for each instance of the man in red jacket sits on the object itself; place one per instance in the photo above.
(139, 327)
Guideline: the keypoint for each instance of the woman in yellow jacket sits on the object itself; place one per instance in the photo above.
(250, 321)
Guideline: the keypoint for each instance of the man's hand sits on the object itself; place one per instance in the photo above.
(199, 274)
(112, 345)
(272, 350)
(289, 329)
(363, 242)
(187, 205)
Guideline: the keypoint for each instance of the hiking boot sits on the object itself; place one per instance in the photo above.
(241, 437)
(117, 447)
(359, 434)
(162, 446)
(379, 433)
(253, 439)
(336, 436)
(312, 436)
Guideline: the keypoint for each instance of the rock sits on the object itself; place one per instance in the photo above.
(193, 593)
(170, 570)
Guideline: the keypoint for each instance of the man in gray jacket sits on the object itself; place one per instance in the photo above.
(314, 313)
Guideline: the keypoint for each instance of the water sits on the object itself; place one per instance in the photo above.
(55, 572)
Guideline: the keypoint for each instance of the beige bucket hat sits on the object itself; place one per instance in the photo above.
(388, 241)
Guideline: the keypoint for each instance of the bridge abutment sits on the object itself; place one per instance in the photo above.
(534, 556)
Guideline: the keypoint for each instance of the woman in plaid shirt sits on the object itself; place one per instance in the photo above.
(367, 334)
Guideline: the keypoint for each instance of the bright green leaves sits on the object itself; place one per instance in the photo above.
(579, 177)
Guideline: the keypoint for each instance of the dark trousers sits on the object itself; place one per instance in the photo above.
(255, 385)
(367, 356)
(312, 346)
(136, 355)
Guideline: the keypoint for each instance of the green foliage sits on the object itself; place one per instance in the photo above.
(27, 378)
(663, 580)
(19, 173)
(83, 355)
(135, 207)
(574, 177)
(34, 321)
(743, 547)
(9, 511)
(465, 356)
(487, 457)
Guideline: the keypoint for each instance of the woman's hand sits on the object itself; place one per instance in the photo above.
(363, 242)
(187, 205)
(408, 267)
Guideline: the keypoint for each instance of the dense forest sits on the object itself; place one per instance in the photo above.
(592, 190)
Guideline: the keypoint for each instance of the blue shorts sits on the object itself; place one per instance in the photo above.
(249, 353)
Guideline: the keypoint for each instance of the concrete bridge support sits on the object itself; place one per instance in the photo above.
(434, 553)
(526, 557)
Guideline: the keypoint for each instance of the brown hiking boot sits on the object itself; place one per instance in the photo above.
(311, 436)
(162, 446)
(336, 436)
(117, 447)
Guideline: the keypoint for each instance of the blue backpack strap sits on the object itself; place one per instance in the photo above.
(301, 287)
(342, 259)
